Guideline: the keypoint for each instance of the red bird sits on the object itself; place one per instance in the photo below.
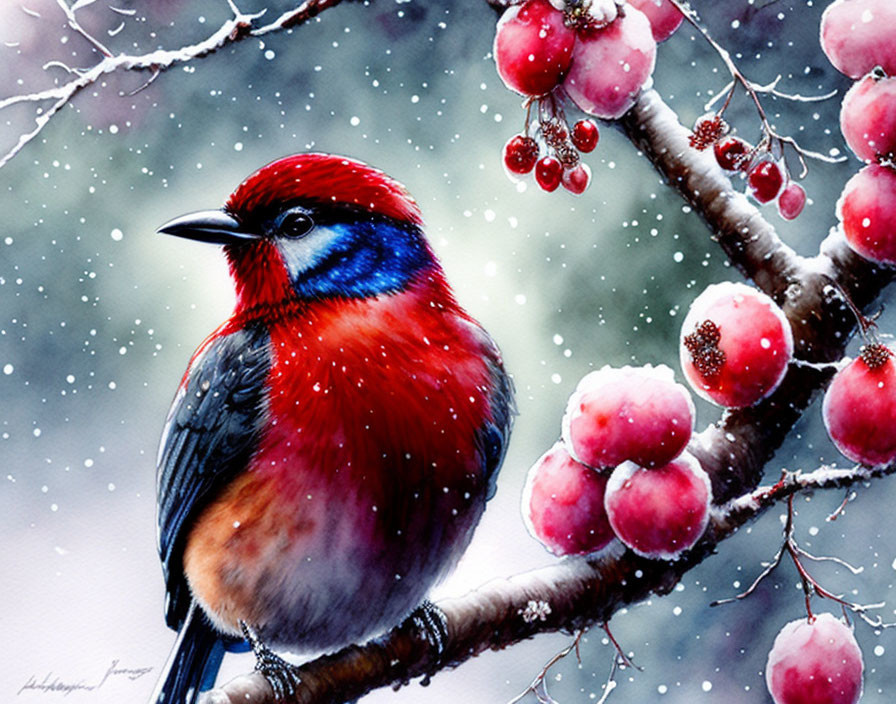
(333, 443)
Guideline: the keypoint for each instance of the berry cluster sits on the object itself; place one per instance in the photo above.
(768, 178)
(597, 53)
(857, 37)
(621, 469)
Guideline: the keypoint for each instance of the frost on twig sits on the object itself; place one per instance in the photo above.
(50, 101)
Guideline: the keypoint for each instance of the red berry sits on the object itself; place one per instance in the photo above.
(732, 153)
(859, 407)
(659, 512)
(548, 173)
(857, 35)
(663, 15)
(563, 505)
(585, 135)
(867, 209)
(815, 662)
(520, 154)
(735, 345)
(533, 47)
(610, 65)
(576, 179)
(632, 413)
(868, 118)
(791, 201)
(765, 181)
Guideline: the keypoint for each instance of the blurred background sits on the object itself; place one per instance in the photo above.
(99, 315)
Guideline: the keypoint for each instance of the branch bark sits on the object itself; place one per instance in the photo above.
(578, 593)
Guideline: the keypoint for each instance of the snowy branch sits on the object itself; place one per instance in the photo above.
(578, 593)
(237, 28)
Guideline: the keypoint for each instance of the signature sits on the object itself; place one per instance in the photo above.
(54, 683)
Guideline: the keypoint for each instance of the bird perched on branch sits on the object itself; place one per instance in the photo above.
(333, 443)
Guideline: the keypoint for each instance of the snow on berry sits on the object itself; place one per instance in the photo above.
(736, 344)
(533, 47)
(610, 65)
(859, 407)
(563, 504)
(664, 17)
(867, 209)
(708, 130)
(868, 118)
(628, 413)
(791, 201)
(732, 153)
(576, 179)
(765, 180)
(659, 512)
(857, 35)
(815, 661)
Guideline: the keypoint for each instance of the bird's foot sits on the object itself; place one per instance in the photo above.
(433, 626)
(280, 674)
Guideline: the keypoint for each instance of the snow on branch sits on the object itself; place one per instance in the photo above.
(241, 26)
(570, 596)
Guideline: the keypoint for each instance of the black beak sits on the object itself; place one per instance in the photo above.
(213, 226)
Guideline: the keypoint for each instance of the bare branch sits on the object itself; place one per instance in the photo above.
(237, 28)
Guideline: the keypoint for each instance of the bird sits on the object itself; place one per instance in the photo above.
(332, 444)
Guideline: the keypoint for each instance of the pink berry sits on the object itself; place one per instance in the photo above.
(815, 662)
(732, 153)
(736, 344)
(576, 179)
(520, 154)
(585, 135)
(857, 35)
(791, 201)
(663, 15)
(765, 181)
(563, 505)
(868, 118)
(659, 512)
(548, 173)
(867, 209)
(628, 413)
(533, 47)
(859, 407)
(610, 65)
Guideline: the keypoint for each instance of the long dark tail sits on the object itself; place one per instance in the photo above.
(193, 663)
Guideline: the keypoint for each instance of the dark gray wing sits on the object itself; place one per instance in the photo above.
(212, 430)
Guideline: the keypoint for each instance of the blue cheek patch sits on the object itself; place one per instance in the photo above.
(367, 258)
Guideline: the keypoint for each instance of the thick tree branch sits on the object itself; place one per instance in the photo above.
(579, 593)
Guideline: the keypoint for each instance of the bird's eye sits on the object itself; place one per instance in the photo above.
(295, 223)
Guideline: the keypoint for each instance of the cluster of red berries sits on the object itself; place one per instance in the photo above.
(621, 470)
(857, 37)
(768, 178)
(595, 52)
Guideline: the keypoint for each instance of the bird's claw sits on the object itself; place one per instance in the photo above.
(280, 674)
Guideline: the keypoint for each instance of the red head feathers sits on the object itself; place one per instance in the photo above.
(325, 179)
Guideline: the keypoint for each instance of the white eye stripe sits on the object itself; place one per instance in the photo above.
(303, 253)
